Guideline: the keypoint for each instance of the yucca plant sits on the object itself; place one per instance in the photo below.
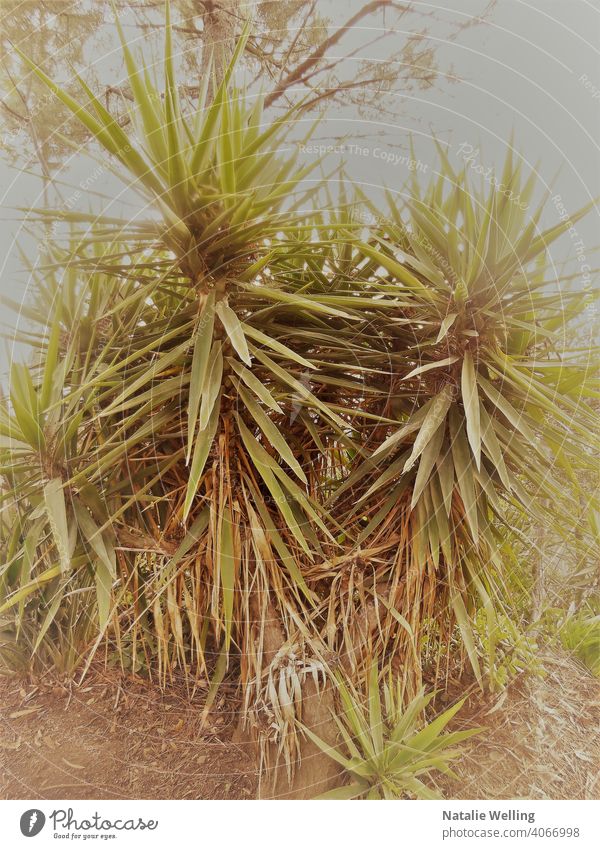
(488, 395)
(258, 433)
(213, 176)
(147, 451)
(388, 751)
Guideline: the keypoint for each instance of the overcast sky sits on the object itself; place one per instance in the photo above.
(533, 68)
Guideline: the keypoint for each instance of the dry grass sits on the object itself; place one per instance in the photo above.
(542, 742)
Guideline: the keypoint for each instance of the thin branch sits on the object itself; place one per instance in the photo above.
(303, 69)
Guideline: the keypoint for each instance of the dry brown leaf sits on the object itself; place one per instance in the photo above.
(19, 713)
(72, 765)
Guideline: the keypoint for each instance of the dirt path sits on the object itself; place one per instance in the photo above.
(114, 737)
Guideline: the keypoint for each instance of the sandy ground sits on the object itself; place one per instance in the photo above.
(114, 737)
(542, 739)
(117, 737)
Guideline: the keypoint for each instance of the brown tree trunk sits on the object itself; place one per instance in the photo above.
(221, 20)
(314, 771)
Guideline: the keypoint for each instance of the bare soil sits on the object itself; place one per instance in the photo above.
(116, 736)
(541, 738)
